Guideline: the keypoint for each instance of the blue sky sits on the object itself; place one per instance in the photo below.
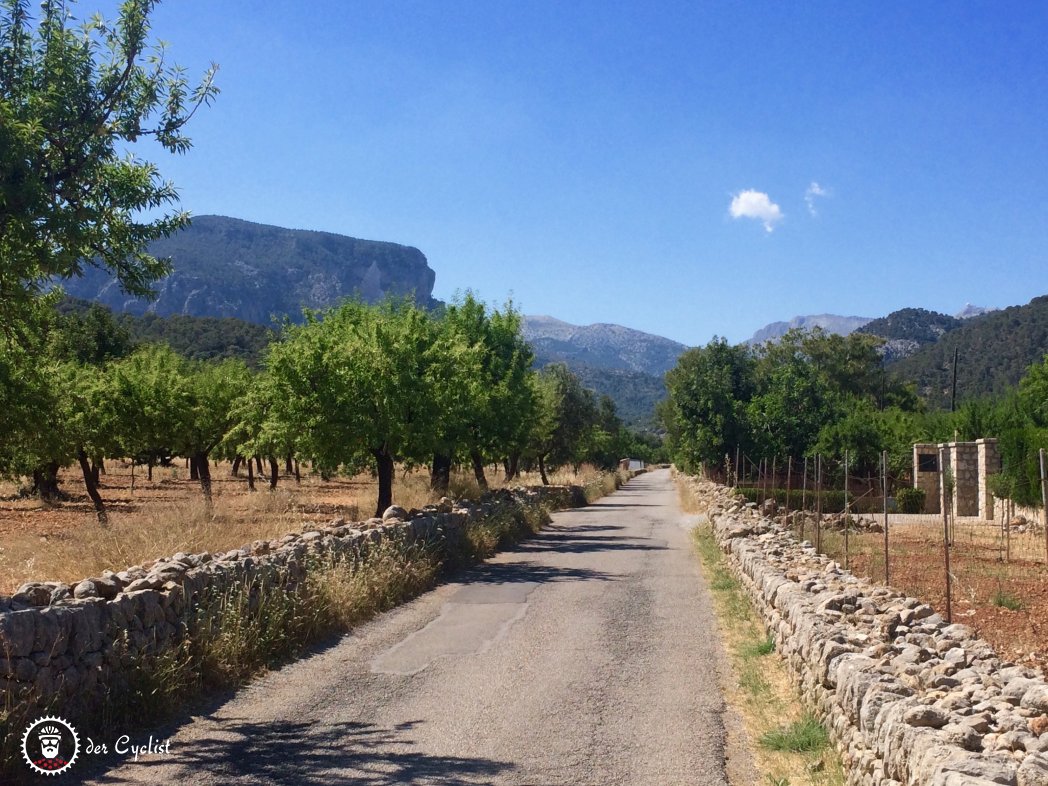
(585, 157)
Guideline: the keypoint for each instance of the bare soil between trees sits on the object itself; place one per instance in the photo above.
(1004, 599)
(63, 541)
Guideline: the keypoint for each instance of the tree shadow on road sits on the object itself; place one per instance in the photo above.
(516, 572)
(567, 541)
(307, 753)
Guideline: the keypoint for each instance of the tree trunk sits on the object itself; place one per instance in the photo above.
(45, 481)
(194, 469)
(91, 484)
(273, 472)
(298, 475)
(250, 475)
(258, 466)
(237, 461)
(513, 467)
(289, 465)
(149, 470)
(440, 473)
(384, 466)
(542, 470)
(478, 470)
(203, 468)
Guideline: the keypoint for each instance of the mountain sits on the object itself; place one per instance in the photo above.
(909, 329)
(601, 346)
(994, 351)
(613, 360)
(970, 311)
(831, 323)
(227, 267)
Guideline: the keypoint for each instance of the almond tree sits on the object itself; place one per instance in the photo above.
(489, 403)
(74, 97)
(366, 386)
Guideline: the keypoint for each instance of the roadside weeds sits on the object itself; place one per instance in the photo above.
(789, 746)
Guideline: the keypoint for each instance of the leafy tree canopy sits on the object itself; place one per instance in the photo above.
(73, 97)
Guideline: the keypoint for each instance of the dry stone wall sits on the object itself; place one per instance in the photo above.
(908, 698)
(68, 649)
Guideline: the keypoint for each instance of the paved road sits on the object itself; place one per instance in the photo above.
(587, 655)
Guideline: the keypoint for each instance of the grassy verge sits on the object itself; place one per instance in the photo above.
(791, 747)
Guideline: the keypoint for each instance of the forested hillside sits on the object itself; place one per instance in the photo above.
(197, 338)
(907, 330)
(994, 351)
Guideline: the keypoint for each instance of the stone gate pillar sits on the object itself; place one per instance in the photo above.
(989, 464)
(964, 460)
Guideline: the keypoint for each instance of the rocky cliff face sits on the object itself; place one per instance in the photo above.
(831, 323)
(226, 267)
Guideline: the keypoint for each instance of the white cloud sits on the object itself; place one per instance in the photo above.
(813, 191)
(756, 204)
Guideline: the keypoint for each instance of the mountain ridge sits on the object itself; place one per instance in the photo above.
(230, 267)
(832, 323)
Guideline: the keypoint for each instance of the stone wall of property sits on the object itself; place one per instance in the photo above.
(908, 698)
(989, 464)
(67, 649)
(927, 479)
(970, 464)
(964, 462)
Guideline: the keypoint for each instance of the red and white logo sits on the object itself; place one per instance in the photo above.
(50, 745)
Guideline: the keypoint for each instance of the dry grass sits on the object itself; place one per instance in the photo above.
(158, 518)
(790, 749)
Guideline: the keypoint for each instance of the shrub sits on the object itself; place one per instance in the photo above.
(910, 500)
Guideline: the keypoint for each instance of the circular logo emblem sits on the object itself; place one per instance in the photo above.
(50, 745)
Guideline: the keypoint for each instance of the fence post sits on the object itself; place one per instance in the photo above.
(773, 480)
(789, 482)
(846, 516)
(1044, 505)
(735, 484)
(884, 491)
(818, 503)
(945, 533)
(804, 496)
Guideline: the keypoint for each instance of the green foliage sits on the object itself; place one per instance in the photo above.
(805, 734)
(489, 405)
(566, 415)
(809, 391)
(706, 416)
(1006, 600)
(912, 324)
(358, 380)
(70, 99)
(910, 499)
(89, 335)
(635, 393)
(148, 396)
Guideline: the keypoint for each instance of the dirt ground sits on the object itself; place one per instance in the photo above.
(64, 542)
(999, 585)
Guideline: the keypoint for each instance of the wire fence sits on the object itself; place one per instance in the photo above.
(991, 573)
